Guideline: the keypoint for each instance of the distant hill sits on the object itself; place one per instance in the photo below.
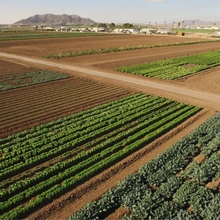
(51, 19)
(199, 22)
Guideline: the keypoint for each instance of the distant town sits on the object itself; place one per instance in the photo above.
(126, 28)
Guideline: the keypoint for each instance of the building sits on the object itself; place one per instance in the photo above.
(165, 31)
(117, 30)
(148, 31)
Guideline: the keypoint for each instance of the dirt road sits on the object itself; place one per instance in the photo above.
(180, 90)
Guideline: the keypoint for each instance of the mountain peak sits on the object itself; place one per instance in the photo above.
(51, 19)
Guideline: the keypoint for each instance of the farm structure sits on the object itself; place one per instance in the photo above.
(148, 31)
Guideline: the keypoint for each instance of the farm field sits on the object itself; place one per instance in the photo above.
(208, 81)
(90, 128)
(41, 47)
(31, 78)
(12, 67)
(176, 67)
(25, 107)
(6, 36)
(78, 147)
(178, 184)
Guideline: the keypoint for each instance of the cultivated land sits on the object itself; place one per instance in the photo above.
(37, 48)
(94, 80)
(6, 36)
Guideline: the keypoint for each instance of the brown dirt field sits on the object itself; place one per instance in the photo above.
(73, 201)
(207, 80)
(29, 106)
(41, 47)
(133, 57)
(12, 67)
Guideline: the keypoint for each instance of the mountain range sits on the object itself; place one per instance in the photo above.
(198, 22)
(51, 19)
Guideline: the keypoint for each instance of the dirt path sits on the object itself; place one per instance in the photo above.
(180, 90)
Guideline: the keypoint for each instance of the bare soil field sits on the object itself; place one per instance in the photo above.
(33, 105)
(12, 67)
(41, 47)
(207, 80)
(134, 57)
(26, 107)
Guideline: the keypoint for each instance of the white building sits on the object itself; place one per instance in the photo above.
(98, 29)
(117, 30)
(165, 31)
(148, 31)
(217, 33)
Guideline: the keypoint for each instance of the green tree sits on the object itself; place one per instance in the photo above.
(127, 25)
(102, 25)
(112, 25)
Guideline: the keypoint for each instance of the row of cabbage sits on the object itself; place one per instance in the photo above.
(30, 78)
(164, 188)
(78, 147)
(177, 67)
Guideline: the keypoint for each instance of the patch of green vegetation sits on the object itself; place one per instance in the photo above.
(176, 67)
(26, 79)
(194, 30)
(42, 35)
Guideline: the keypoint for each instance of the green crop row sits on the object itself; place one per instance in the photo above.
(33, 35)
(176, 67)
(138, 120)
(160, 191)
(30, 78)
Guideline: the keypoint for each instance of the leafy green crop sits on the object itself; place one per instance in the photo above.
(173, 194)
(83, 145)
(26, 79)
(177, 67)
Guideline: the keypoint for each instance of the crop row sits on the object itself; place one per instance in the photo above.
(164, 188)
(65, 103)
(139, 117)
(67, 91)
(118, 49)
(176, 67)
(63, 122)
(31, 78)
(33, 35)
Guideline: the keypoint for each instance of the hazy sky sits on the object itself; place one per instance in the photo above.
(117, 11)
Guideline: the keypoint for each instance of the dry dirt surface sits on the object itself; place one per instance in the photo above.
(41, 47)
(13, 67)
(33, 105)
(133, 57)
(207, 80)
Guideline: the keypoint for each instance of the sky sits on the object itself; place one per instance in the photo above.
(117, 11)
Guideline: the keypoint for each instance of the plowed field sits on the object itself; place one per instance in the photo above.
(34, 105)
(10, 67)
(42, 47)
